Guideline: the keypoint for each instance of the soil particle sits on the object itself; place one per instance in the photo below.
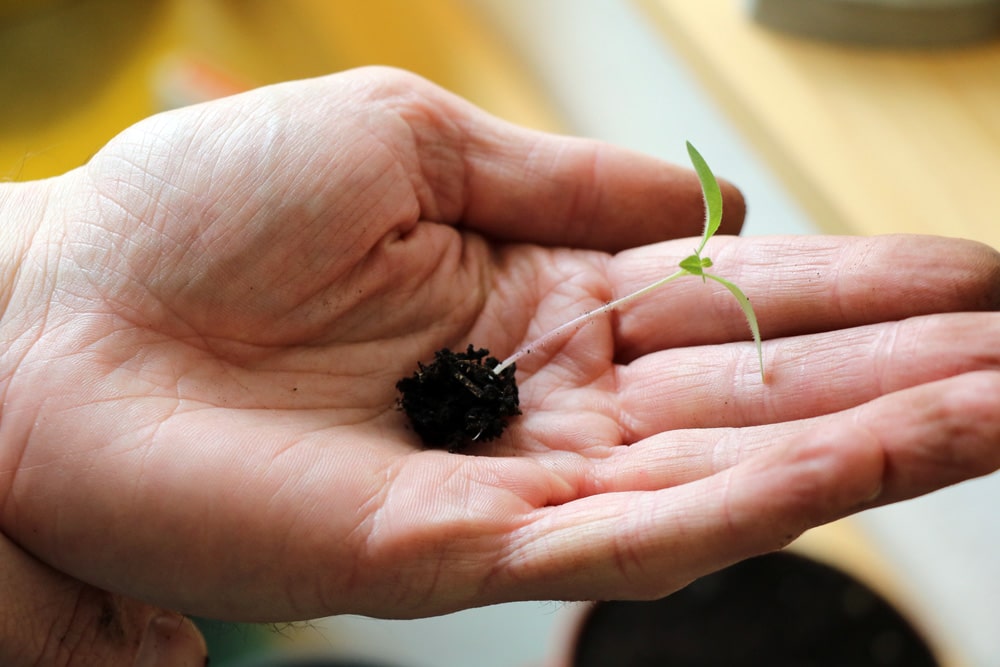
(458, 399)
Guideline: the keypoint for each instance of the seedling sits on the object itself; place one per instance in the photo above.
(470, 396)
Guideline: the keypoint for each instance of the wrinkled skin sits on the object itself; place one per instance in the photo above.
(205, 323)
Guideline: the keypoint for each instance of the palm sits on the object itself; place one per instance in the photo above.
(237, 321)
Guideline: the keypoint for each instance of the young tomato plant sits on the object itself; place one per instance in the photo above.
(468, 396)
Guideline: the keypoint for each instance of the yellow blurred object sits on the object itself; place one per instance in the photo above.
(77, 73)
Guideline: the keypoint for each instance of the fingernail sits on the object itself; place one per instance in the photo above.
(172, 641)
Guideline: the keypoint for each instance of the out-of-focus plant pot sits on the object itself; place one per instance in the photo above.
(777, 610)
(884, 23)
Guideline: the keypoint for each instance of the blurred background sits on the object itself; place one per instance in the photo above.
(821, 136)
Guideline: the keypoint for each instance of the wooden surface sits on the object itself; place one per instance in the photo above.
(869, 141)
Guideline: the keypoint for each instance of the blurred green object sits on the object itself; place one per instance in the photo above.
(231, 644)
(888, 23)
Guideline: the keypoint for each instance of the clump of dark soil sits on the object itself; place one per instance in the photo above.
(458, 399)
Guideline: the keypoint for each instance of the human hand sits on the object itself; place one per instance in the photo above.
(205, 330)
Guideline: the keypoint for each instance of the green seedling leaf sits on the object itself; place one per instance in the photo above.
(712, 194)
(747, 312)
(695, 265)
(692, 265)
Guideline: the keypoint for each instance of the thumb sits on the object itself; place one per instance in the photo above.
(48, 618)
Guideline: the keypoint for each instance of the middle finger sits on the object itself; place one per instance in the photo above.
(806, 376)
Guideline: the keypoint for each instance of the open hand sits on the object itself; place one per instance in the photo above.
(204, 326)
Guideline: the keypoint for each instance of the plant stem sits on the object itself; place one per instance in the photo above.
(577, 322)
(693, 265)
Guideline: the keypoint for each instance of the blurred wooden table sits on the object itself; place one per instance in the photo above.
(869, 141)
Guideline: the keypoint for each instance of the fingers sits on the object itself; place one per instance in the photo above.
(798, 285)
(48, 619)
(761, 491)
(644, 545)
(964, 412)
(936, 435)
(515, 184)
(806, 375)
